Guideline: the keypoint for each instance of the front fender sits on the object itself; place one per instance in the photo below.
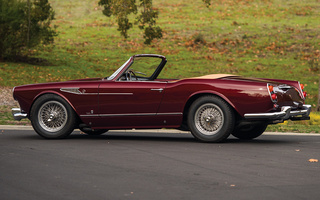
(51, 92)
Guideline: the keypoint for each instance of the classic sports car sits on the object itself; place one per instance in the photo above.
(212, 107)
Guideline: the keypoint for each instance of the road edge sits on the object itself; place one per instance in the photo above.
(20, 127)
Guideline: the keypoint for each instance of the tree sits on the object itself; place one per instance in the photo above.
(24, 25)
(207, 2)
(146, 19)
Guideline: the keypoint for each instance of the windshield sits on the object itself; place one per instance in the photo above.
(144, 67)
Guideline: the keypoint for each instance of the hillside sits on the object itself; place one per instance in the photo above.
(253, 38)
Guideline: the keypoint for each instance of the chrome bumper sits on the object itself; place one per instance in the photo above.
(284, 114)
(17, 115)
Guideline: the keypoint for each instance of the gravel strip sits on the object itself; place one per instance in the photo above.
(6, 97)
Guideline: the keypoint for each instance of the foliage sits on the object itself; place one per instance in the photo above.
(207, 2)
(146, 20)
(24, 26)
(121, 9)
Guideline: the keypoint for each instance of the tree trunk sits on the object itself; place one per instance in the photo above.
(29, 23)
(318, 105)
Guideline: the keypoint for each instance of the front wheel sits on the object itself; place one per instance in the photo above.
(52, 117)
(210, 119)
(94, 132)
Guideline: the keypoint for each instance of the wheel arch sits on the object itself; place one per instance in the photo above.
(197, 95)
(54, 93)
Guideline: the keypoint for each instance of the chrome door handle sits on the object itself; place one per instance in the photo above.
(159, 89)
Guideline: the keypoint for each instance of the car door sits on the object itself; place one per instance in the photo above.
(124, 104)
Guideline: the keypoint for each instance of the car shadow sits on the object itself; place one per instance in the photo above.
(160, 137)
(174, 137)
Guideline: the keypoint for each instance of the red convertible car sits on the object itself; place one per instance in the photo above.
(211, 107)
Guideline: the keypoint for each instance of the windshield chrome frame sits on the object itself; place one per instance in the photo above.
(129, 62)
(116, 73)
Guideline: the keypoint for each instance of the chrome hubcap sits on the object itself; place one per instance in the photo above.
(52, 116)
(209, 119)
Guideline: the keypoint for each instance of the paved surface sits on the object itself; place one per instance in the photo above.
(153, 165)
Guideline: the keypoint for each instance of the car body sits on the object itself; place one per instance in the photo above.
(212, 106)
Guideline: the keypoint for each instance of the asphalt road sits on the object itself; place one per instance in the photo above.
(122, 165)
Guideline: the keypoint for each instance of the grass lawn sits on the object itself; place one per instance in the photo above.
(253, 38)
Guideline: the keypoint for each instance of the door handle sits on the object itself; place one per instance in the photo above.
(159, 89)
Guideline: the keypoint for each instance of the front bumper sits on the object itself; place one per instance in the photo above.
(17, 114)
(284, 114)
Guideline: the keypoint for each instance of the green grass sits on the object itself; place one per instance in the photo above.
(254, 38)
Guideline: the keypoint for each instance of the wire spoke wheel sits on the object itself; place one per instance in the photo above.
(209, 119)
(52, 116)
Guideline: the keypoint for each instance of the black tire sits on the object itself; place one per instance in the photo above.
(250, 131)
(94, 132)
(211, 119)
(52, 117)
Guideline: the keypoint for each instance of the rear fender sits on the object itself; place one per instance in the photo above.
(198, 94)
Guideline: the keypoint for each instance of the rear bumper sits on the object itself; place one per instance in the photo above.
(17, 114)
(284, 114)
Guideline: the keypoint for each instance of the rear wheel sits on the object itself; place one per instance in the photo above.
(210, 119)
(52, 117)
(250, 131)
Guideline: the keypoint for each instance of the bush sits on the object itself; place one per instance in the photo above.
(314, 119)
(24, 25)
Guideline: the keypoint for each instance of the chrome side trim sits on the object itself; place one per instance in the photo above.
(129, 114)
(77, 91)
(115, 93)
(284, 114)
(17, 115)
(71, 90)
(169, 113)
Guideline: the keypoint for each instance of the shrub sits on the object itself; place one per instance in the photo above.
(314, 119)
(24, 25)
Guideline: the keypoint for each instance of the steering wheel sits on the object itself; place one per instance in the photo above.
(129, 75)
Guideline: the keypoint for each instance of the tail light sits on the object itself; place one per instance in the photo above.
(274, 97)
(304, 94)
(270, 87)
(272, 94)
